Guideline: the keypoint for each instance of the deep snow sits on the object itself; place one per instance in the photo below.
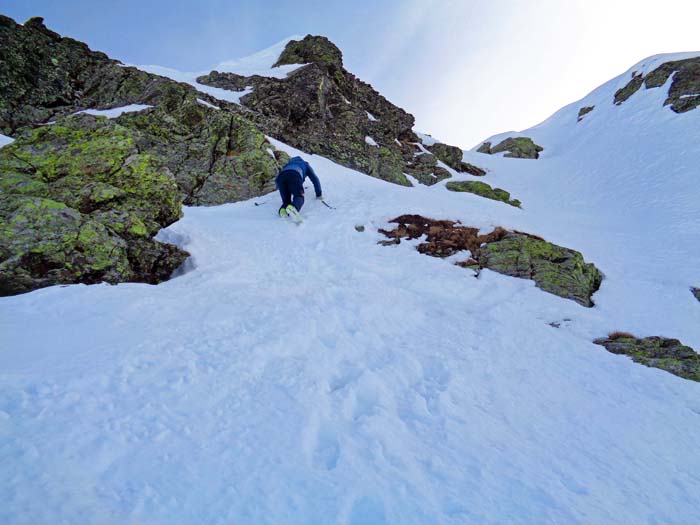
(305, 374)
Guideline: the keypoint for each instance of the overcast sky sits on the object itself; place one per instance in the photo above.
(465, 69)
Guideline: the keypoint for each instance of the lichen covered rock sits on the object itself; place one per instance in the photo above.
(684, 92)
(311, 49)
(656, 352)
(80, 204)
(555, 269)
(515, 147)
(215, 156)
(452, 156)
(483, 190)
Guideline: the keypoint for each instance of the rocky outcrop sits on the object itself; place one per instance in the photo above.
(684, 92)
(515, 147)
(584, 111)
(321, 108)
(452, 156)
(44, 76)
(216, 156)
(656, 352)
(695, 292)
(555, 269)
(80, 202)
(483, 190)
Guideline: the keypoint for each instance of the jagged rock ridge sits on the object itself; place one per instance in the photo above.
(322, 108)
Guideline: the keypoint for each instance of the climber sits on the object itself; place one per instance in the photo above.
(290, 183)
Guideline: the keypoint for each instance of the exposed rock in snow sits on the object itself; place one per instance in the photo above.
(684, 91)
(657, 352)
(584, 111)
(483, 190)
(557, 270)
(515, 147)
(452, 156)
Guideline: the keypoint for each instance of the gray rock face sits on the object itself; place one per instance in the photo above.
(684, 93)
(695, 292)
(657, 352)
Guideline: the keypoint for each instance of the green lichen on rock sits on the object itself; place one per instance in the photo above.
(311, 49)
(684, 92)
(629, 89)
(555, 269)
(452, 156)
(515, 147)
(216, 156)
(78, 197)
(656, 352)
(423, 167)
(483, 190)
(485, 148)
(584, 111)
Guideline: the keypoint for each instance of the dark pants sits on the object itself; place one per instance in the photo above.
(291, 189)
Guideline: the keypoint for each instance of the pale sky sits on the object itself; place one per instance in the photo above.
(465, 69)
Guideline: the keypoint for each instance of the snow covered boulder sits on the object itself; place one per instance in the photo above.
(452, 156)
(656, 352)
(515, 147)
(79, 203)
(483, 190)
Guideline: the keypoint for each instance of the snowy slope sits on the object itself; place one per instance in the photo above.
(306, 375)
(621, 186)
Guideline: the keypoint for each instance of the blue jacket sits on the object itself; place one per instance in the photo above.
(304, 170)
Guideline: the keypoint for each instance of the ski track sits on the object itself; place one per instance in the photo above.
(304, 374)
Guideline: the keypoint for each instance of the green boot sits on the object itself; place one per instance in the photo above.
(283, 213)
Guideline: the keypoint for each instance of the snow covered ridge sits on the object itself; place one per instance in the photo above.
(260, 63)
(671, 79)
